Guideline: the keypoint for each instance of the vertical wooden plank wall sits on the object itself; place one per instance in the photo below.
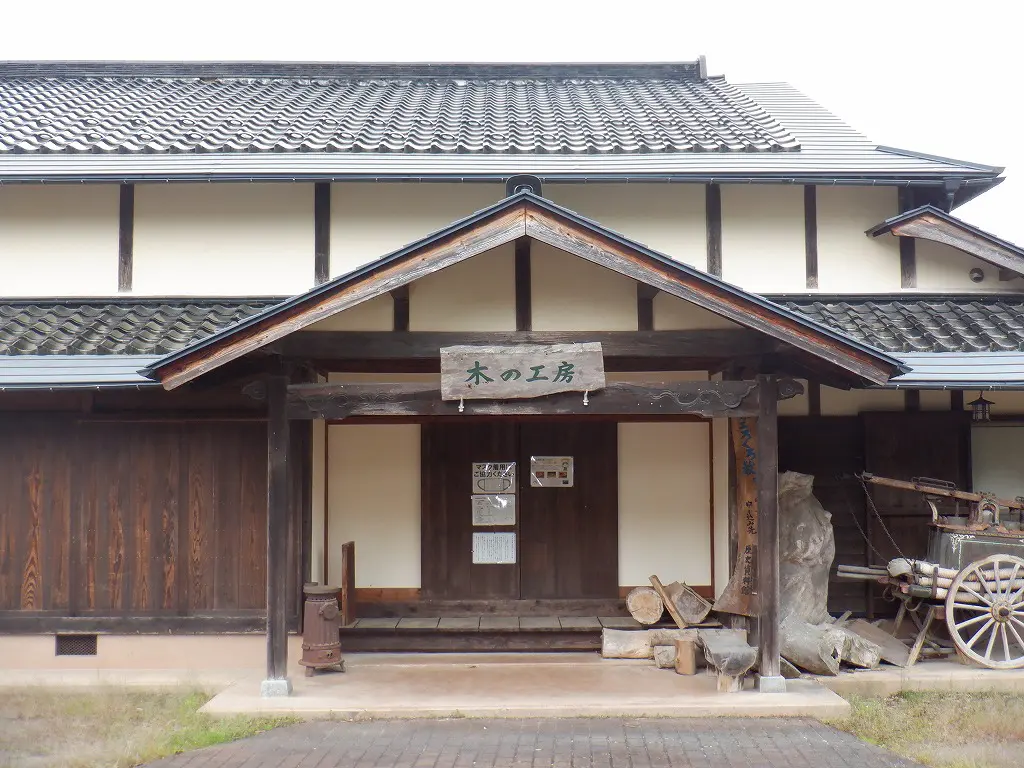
(102, 518)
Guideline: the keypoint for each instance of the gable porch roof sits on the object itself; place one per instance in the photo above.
(525, 215)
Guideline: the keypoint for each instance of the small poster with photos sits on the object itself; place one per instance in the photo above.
(551, 471)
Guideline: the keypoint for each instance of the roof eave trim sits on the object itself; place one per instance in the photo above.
(993, 169)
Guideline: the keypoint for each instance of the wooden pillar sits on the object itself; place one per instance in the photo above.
(278, 509)
(771, 680)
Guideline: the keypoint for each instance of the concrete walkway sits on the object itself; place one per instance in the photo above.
(561, 743)
(517, 685)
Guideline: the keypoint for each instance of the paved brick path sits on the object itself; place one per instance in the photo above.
(598, 743)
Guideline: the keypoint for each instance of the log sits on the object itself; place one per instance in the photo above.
(669, 605)
(691, 607)
(859, 651)
(645, 605)
(812, 648)
(669, 636)
(625, 644)
(665, 656)
(891, 649)
(686, 657)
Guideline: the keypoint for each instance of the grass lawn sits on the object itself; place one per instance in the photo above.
(943, 730)
(110, 727)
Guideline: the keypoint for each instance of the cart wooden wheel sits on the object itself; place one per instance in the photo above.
(985, 611)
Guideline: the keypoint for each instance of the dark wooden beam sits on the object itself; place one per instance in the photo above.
(768, 530)
(645, 307)
(912, 400)
(908, 245)
(931, 227)
(400, 297)
(811, 234)
(956, 399)
(813, 398)
(426, 345)
(321, 232)
(713, 217)
(278, 514)
(523, 286)
(125, 237)
(700, 398)
(35, 623)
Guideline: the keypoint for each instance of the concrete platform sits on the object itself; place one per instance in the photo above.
(925, 676)
(517, 685)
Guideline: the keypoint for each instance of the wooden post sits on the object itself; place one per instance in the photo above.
(770, 680)
(278, 507)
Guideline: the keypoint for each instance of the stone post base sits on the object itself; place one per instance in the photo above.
(774, 684)
(271, 688)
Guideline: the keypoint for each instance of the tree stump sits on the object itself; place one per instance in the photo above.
(645, 605)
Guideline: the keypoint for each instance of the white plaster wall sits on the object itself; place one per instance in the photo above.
(850, 402)
(848, 260)
(720, 469)
(664, 502)
(374, 500)
(319, 502)
(223, 239)
(370, 220)
(478, 294)
(996, 459)
(763, 237)
(1004, 402)
(941, 267)
(669, 218)
(674, 314)
(571, 294)
(374, 315)
(935, 400)
(58, 240)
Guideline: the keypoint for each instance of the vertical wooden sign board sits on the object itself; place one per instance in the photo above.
(740, 595)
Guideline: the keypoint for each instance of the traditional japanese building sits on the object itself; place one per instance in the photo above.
(488, 322)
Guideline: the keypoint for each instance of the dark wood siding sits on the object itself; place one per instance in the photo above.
(832, 449)
(115, 519)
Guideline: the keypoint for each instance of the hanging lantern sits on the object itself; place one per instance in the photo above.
(981, 409)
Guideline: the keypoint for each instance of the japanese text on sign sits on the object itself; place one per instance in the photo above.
(494, 509)
(494, 477)
(529, 370)
(494, 548)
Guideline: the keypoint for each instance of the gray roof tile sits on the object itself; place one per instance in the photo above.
(341, 113)
(921, 324)
(893, 324)
(135, 327)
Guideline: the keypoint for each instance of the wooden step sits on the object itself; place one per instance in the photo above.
(469, 608)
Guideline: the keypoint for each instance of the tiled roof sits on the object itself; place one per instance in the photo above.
(921, 324)
(132, 327)
(341, 113)
(154, 122)
(894, 324)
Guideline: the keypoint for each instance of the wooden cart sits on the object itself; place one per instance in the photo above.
(973, 576)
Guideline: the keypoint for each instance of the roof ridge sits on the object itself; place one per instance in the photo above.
(689, 70)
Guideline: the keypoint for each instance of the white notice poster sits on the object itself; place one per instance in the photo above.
(551, 471)
(494, 509)
(494, 548)
(494, 477)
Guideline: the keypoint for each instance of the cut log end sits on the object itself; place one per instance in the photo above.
(645, 605)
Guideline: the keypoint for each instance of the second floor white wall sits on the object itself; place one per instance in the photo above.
(240, 239)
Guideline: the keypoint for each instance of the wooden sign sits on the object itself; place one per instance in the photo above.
(740, 595)
(523, 371)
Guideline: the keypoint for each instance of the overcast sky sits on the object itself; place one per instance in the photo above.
(935, 76)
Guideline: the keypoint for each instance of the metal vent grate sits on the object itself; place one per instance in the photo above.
(75, 645)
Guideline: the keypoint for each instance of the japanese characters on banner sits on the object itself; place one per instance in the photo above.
(740, 594)
(522, 371)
